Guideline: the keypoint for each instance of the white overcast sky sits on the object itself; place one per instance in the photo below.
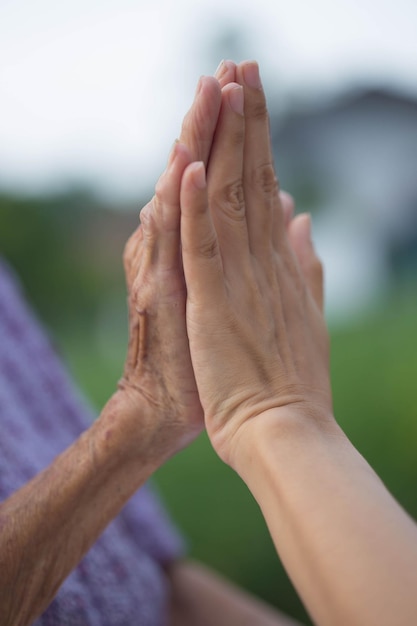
(94, 90)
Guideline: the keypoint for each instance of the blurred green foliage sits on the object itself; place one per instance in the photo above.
(374, 365)
(38, 237)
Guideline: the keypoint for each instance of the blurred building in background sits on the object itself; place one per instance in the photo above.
(351, 161)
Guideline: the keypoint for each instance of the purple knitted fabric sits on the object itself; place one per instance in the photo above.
(120, 582)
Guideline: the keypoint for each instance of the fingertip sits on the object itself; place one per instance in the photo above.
(300, 228)
(306, 227)
(208, 87)
(199, 124)
(197, 173)
(220, 69)
(288, 206)
(182, 152)
(207, 82)
(299, 234)
(251, 75)
(225, 72)
(193, 189)
(235, 97)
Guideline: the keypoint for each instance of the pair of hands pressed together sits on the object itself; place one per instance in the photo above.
(225, 289)
(227, 331)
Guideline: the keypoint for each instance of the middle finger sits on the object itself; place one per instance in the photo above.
(260, 182)
(225, 170)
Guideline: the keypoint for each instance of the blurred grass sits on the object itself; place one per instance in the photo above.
(374, 367)
(374, 370)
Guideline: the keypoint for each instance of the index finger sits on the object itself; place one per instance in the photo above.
(200, 122)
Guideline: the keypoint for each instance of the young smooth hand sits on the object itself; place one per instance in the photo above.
(260, 355)
(258, 339)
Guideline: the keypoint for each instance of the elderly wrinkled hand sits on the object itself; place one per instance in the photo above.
(158, 366)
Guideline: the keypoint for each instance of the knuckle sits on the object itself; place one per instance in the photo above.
(159, 200)
(143, 288)
(147, 217)
(208, 249)
(165, 207)
(232, 197)
(265, 178)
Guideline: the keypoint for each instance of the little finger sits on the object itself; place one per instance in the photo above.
(299, 234)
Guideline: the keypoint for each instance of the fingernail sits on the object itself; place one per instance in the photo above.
(236, 99)
(173, 152)
(220, 69)
(199, 175)
(251, 75)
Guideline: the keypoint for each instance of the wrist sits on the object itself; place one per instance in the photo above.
(281, 432)
(129, 429)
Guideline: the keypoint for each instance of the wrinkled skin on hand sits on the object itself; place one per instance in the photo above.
(158, 368)
(158, 364)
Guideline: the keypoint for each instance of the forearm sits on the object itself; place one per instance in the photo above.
(49, 524)
(348, 546)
